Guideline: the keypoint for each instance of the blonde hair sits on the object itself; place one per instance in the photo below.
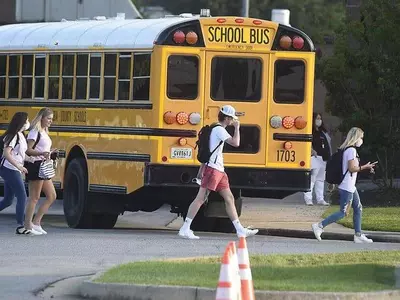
(353, 136)
(37, 121)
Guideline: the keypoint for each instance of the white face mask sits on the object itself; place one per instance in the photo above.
(318, 123)
(26, 126)
(359, 143)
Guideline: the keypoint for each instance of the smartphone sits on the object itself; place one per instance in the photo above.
(374, 163)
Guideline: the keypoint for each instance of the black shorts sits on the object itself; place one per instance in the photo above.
(33, 171)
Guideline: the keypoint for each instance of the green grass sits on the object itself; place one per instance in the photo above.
(344, 272)
(373, 218)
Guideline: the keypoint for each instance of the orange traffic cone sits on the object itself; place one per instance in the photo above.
(247, 288)
(229, 278)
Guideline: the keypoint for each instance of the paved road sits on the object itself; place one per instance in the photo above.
(27, 264)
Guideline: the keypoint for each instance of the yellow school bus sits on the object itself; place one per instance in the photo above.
(130, 96)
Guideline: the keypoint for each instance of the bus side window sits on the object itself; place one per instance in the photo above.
(3, 68)
(182, 77)
(124, 75)
(54, 76)
(81, 76)
(40, 72)
(14, 62)
(141, 77)
(68, 76)
(27, 76)
(110, 75)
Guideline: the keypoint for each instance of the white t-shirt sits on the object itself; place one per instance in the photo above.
(349, 181)
(44, 144)
(217, 135)
(17, 151)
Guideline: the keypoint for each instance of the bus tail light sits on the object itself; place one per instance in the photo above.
(194, 118)
(285, 42)
(287, 145)
(164, 158)
(288, 122)
(302, 163)
(191, 38)
(169, 117)
(179, 37)
(300, 123)
(182, 118)
(182, 142)
(298, 43)
(275, 122)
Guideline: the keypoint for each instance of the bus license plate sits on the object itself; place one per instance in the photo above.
(181, 153)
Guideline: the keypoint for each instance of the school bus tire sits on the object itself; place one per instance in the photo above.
(76, 202)
(104, 221)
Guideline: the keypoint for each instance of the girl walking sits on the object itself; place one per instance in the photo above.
(12, 168)
(349, 196)
(39, 148)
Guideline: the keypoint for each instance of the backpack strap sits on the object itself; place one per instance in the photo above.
(220, 143)
(37, 140)
(347, 171)
(3, 159)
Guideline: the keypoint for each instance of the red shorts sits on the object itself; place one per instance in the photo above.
(214, 180)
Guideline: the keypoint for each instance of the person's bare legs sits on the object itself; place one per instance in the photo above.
(194, 207)
(233, 215)
(50, 192)
(35, 187)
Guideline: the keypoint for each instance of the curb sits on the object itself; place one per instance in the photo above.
(117, 291)
(305, 234)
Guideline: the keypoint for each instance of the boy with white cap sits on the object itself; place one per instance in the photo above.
(214, 177)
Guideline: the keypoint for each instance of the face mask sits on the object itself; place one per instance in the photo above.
(26, 126)
(318, 123)
(359, 143)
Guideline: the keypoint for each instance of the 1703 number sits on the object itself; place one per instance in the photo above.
(286, 155)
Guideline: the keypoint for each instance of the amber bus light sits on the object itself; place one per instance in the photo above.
(300, 123)
(191, 38)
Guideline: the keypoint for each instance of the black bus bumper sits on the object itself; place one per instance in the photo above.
(239, 178)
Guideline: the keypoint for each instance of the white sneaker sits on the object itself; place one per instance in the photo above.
(197, 180)
(308, 202)
(362, 239)
(21, 230)
(317, 231)
(246, 232)
(187, 234)
(38, 228)
(323, 202)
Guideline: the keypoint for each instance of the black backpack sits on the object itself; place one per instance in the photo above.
(203, 143)
(334, 167)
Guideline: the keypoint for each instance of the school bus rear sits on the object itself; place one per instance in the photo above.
(266, 71)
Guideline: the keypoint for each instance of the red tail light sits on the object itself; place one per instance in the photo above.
(179, 37)
(298, 43)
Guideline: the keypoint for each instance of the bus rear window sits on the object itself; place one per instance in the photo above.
(183, 77)
(236, 79)
(249, 140)
(289, 81)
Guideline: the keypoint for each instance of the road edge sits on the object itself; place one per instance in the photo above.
(116, 291)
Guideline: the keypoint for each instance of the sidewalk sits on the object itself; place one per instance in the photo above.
(290, 217)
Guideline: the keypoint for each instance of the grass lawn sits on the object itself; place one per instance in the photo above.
(373, 218)
(344, 272)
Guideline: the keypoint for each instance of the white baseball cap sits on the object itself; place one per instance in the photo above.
(228, 110)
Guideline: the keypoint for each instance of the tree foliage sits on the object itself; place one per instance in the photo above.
(362, 79)
(315, 17)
